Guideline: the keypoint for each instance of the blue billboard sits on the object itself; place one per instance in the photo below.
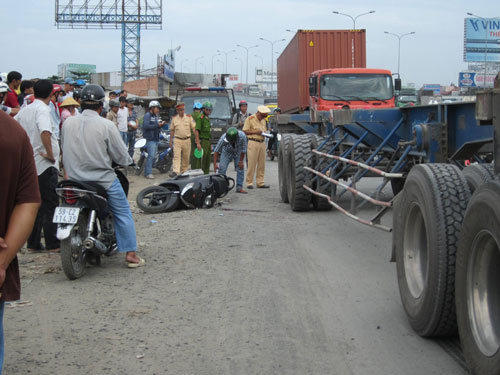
(475, 79)
(482, 40)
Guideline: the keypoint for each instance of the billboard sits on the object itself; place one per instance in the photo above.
(474, 79)
(482, 40)
(435, 87)
(265, 76)
(168, 70)
(67, 70)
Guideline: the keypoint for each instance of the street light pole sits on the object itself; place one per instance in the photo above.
(272, 43)
(218, 54)
(485, 42)
(399, 45)
(196, 63)
(354, 27)
(226, 53)
(247, 48)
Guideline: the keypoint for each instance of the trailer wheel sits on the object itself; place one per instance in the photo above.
(282, 163)
(427, 218)
(298, 155)
(478, 281)
(321, 185)
(478, 174)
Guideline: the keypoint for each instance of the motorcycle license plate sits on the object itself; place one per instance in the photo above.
(66, 215)
(217, 129)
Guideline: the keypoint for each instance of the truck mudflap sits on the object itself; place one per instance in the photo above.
(64, 230)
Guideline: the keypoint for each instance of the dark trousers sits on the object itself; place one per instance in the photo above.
(47, 182)
(131, 143)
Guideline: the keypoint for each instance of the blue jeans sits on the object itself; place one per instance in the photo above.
(2, 351)
(225, 159)
(130, 142)
(124, 137)
(151, 148)
(122, 218)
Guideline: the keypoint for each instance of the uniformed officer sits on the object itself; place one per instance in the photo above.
(254, 126)
(202, 135)
(197, 106)
(181, 128)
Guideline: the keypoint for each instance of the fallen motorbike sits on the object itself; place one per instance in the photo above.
(84, 224)
(189, 190)
(163, 158)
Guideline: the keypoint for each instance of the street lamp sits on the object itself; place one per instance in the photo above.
(272, 43)
(400, 36)
(485, 42)
(247, 48)
(291, 31)
(226, 53)
(217, 54)
(241, 68)
(182, 64)
(354, 26)
(196, 63)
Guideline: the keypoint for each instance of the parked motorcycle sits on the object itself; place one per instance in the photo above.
(189, 190)
(163, 158)
(84, 224)
(273, 152)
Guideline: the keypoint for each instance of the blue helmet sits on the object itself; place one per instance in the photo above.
(197, 105)
(80, 82)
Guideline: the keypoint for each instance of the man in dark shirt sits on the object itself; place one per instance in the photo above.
(19, 202)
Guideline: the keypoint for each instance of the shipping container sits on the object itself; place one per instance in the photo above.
(311, 50)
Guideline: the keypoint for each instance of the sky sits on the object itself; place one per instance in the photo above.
(33, 45)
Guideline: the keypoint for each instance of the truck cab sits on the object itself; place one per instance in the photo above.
(356, 88)
(223, 103)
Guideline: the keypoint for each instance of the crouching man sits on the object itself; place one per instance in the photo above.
(232, 146)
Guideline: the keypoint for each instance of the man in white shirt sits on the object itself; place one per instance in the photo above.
(122, 116)
(36, 120)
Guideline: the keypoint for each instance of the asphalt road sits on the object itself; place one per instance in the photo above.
(249, 287)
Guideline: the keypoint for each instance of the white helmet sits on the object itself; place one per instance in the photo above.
(3, 87)
(3, 77)
(154, 103)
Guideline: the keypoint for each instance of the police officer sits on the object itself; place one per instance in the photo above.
(181, 128)
(197, 107)
(202, 139)
(254, 126)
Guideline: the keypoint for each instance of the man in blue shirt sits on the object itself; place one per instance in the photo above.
(151, 132)
(232, 147)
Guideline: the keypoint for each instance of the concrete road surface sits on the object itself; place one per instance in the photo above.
(249, 287)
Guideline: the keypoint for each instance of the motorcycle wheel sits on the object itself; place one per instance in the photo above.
(156, 199)
(73, 258)
(165, 164)
(140, 165)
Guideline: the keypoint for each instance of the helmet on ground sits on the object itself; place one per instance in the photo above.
(277, 109)
(232, 134)
(243, 102)
(197, 105)
(80, 82)
(154, 103)
(92, 93)
(208, 105)
(3, 87)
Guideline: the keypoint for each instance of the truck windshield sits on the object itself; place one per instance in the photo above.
(356, 87)
(221, 105)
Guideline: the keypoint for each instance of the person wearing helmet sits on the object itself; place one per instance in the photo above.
(151, 125)
(4, 89)
(90, 145)
(232, 146)
(79, 83)
(113, 112)
(37, 121)
(254, 126)
(69, 86)
(202, 138)
(197, 107)
(241, 115)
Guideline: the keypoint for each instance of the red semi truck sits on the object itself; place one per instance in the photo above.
(326, 69)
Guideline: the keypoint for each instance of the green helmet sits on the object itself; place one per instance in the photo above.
(208, 105)
(232, 134)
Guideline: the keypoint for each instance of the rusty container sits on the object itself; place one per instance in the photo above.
(311, 50)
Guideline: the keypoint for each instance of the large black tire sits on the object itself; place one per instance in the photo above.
(73, 257)
(477, 281)
(427, 218)
(164, 165)
(140, 165)
(156, 199)
(282, 166)
(321, 185)
(478, 174)
(298, 154)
